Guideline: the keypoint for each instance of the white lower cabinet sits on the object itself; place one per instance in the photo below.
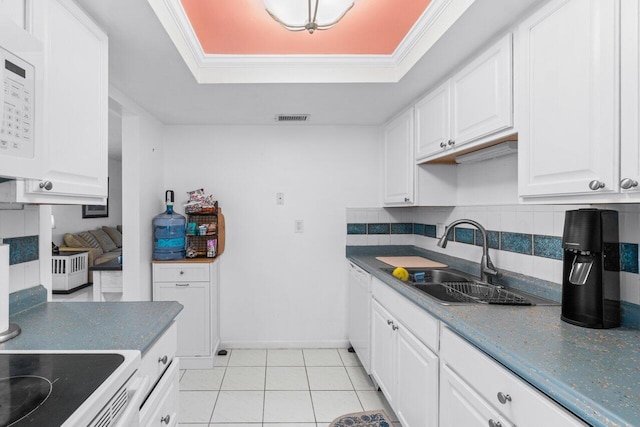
(405, 369)
(195, 286)
(477, 391)
(160, 366)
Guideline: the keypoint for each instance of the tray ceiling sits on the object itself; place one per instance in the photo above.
(236, 41)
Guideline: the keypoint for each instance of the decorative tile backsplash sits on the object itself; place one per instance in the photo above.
(22, 249)
(522, 243)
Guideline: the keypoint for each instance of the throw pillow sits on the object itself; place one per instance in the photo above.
(104, 240)
(75, 241)
(93, 243)
(115, 235)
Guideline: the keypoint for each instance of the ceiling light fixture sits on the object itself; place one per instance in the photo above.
(294, 15)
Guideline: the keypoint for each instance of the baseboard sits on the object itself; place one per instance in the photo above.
(231, 344)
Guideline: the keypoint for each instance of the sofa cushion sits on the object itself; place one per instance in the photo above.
(75, 241)
(114, 234)
(104, 240)
(92, 241)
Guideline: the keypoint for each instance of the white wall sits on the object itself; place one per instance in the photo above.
(279, 288)
(142, 193)
(69, 217)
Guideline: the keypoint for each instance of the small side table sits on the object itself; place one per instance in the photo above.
(107, 281)
(69, 271)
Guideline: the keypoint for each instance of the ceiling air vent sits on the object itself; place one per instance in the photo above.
(292, 118)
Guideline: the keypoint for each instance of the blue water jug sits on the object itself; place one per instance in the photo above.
(169, 233)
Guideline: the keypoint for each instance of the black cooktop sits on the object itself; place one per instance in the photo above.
(45, 389)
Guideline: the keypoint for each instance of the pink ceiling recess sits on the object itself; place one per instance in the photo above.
(243, 27)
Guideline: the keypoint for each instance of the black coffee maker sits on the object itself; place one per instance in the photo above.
(591, 273)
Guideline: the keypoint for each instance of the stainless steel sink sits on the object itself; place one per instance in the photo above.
(452, 287)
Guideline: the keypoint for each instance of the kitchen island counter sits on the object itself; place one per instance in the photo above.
(92, 325)
(593, 373)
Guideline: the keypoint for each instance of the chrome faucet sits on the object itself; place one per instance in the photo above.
(487, 269)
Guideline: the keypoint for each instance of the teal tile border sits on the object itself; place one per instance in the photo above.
(357, 228)
(547, 246)
(22, 249)
(379, 228)
(402, 228)
(527, 244)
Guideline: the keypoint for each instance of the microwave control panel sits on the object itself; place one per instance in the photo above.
(17, 128)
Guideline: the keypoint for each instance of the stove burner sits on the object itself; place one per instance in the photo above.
(21, 395)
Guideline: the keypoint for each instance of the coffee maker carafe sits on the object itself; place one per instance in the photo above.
(591, 269)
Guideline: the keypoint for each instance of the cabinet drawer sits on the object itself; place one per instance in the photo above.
(160, 355)
(180, 272)
(161, 408)
(421, 324)
(527, 407)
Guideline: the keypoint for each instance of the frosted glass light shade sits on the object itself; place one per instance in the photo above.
(310, 15)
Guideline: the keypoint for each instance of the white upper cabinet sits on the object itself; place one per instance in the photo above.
(482, 95)
(15, 10)
(433, 123)
(569, 99)
(630, 98)
(399, 163)
(75, 96)
(472, 108)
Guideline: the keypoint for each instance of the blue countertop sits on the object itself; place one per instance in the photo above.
(594, 373)
(92, 325)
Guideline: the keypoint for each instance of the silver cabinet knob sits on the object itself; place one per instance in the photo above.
(503, 398)
(596, 185)
(495, 423)
(628, 183)
(389, 322)
(181, 272)
(164, 359)
(166, 419)
(406, 199)
(443, 145)
(451, 143)
(394, 327)
(47, 185)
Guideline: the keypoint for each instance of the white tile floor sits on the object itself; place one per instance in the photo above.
(84, 294)
(277, 388)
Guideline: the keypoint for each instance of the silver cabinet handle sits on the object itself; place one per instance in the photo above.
(628, 183)
(451, 143)
(394, 327)
(182, 285)
(406, 199)
(503, 398)
(164, 359)
(596, 185)
(389, 322)
(166, 419)
(47, 185)
(495, 423)
(181, 272)
(443, 145)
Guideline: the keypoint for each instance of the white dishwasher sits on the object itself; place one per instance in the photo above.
(360, 313)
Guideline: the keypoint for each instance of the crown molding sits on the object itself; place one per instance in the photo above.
(438, 17)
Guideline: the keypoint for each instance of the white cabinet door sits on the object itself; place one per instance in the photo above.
(75, 105)
(194, 333)
(460, 405)
(382, 350)
(15, 10)
(399, 165)
(569, 97)
(630, 97)
(433, 124)
(417, 382)
(482, 94)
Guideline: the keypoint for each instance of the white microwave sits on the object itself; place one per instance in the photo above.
(21, 69)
